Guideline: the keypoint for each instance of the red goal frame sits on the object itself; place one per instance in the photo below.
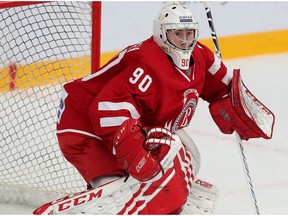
(96, 27)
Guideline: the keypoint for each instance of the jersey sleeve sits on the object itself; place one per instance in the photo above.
(122, 98)
(217, 79)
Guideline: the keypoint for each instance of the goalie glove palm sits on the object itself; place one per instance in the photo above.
(128, 143)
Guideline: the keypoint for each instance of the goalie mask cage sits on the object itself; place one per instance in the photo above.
(42, 46)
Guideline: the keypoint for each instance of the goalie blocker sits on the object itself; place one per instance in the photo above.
(243, 112)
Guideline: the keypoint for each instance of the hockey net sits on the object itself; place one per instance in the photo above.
(42, 46)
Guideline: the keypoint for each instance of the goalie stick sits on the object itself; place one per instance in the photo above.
(238, 139)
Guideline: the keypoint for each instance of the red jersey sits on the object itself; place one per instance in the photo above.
(141, 82)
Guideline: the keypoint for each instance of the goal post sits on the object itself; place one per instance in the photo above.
(42, 46)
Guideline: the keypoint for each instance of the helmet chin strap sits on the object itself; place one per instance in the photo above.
(180, 58)
(188, 70)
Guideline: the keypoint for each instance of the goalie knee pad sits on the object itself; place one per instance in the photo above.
(192, 149)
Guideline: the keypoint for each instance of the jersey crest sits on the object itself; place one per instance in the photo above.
(190, 100)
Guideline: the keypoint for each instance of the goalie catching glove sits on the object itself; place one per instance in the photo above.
(243, 112)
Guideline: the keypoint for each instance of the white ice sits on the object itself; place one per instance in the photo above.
(266, 77)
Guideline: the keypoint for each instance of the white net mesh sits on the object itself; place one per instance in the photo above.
(41, 47)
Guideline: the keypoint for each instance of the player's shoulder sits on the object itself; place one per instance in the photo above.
(144, 50)
(148, 44)
(148, 54)
(201, 48)
(203, 52)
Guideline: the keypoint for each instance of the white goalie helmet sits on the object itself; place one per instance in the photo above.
(176, 32)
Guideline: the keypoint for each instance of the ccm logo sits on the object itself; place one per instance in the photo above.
(78, 200)
(141, 164)
(118, 137)
(204, 184)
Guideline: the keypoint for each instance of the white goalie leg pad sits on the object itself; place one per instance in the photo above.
(101, 200)
(189, 143)
(203, 196)
(102, 180)
(202, 199)
(118, 202)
